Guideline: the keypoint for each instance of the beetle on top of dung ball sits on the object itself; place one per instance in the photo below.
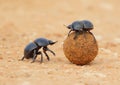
(80, 26)
(80, 47)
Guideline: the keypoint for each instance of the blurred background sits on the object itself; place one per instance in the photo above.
(51, 15)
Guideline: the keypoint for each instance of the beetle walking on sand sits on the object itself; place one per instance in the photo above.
(32, 49)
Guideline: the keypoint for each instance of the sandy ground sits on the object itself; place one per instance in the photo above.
(22, 21)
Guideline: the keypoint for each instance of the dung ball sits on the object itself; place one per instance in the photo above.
(81, 50)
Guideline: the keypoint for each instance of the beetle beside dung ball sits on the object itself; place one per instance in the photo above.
(32, 49)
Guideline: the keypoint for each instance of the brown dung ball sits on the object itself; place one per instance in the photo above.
(81, 50)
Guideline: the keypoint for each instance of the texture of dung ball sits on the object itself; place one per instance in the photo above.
(81, 50)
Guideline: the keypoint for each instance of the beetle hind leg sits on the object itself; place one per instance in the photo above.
(93, 36)
(69, 32)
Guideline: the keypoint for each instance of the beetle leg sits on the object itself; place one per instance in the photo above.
(93, 36)
(69, 32)
(84, 34)
(44, 51)
(76, 34)
(22, 58)
(50, 51)
(34, 56)
(41, 56)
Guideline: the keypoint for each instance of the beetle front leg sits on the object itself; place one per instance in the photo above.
(50, 51)
(69, 32)
(34, 56)
(76, 34)
(93, 36)
(44, 51)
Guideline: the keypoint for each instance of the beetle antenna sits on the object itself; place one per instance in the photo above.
(55, 42)
(64, 25)
(51, 42)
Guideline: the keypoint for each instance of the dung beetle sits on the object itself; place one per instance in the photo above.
(80, 26)
(76, 26)
(32, 49)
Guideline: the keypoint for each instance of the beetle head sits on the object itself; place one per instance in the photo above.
(51, 42)
(77, 25)
(69, 26)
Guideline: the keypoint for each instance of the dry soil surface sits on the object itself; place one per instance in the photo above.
(22, 21)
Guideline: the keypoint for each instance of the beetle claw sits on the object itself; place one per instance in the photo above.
(22, 59)
(93, 36)
(52, 53)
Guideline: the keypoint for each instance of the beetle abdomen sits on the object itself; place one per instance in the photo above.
(29, 55)
(30, 47)
(87, 24)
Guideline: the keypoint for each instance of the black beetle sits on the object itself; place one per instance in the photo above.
(76, 26)
(80, 26)
(32, 49)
